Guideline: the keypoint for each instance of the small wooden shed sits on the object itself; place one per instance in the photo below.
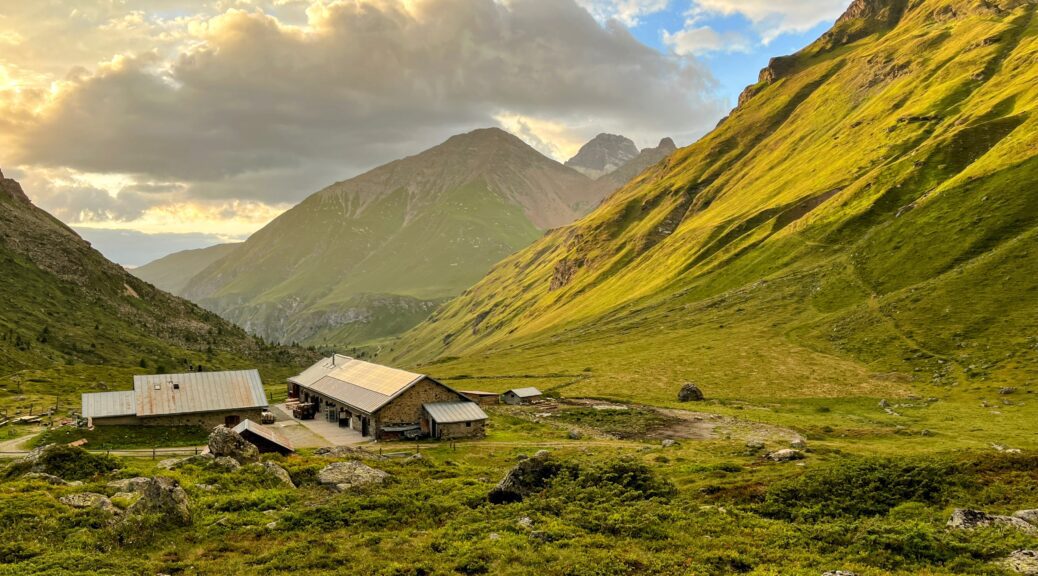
(265, 438)
(480, 397)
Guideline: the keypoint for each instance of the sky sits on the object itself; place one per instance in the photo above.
(152, 126)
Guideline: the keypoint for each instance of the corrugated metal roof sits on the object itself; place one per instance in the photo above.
(264, 432)
(108, 404)
(479, 393)
(363, 385)
(160, 394)
(525, 392)
(448, 412)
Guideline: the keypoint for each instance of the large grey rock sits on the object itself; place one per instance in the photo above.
(1023, 562)
(347, 452)
(226, 462)
(966, 519)
(1029, 516)
(525, 478)
(89, 500)
(798, 444)
(48, 478)
(275, 470)
(348, 475)
(129, 484)
(224, 441)
(785, 455)
(690, 393)
(164, 497)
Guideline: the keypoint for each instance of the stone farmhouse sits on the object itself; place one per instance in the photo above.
(204, 399)
(383, 402)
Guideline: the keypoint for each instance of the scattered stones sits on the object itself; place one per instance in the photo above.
(272, 525)
(136, 484)
(89, 500)
(574, 435)
(1006, 390)
(926, 432)
(527, 477)
(966, 519)
(224, 441)
(525, 522)
(690, 393)
(754, 446)
(1023, 562)
(839, 573)
(667, 443)
(343, 476)
(785, 455)
(798, 444)
(163, 497)
(493, 536)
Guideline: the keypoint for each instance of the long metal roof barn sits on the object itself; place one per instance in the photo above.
(160, 394)
(449, 412)
(363, 385)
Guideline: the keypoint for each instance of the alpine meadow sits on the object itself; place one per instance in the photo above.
(556, 307)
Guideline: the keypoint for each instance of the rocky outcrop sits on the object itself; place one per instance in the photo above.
(527, 477)
(343, 476)
(862, 18)
(165, 498)
(564, 272)
(49, 479)
(347, 452)
(1023, 562)
(690, 393)
(12, 189)
(967, 519)
(1029, 516)
(89, 500)
(136, 484)
(225, 442)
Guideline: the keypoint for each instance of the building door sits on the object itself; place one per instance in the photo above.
(365, 426)
(232, 421)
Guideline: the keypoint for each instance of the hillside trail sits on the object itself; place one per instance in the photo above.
(17, 444)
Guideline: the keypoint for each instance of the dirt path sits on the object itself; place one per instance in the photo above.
(16, 445)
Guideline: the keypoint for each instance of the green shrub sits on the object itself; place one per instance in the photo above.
(865, 487)
(74, 463)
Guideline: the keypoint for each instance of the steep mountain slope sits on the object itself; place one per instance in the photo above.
(173, 272)
(374, 255)
(67, 308)
(602, 155)
(865, 222)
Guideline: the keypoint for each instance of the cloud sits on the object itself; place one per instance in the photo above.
(704, 40)
(772, 18)
(628, 12)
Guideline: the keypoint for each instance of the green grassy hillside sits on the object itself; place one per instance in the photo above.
(72, 321)
(372, 256)
(172, 273)
(862, 226)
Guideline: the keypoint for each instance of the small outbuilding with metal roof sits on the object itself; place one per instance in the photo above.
(521, 395)
(378, 401)
(455, 419)
(191, 399)
(265, 438)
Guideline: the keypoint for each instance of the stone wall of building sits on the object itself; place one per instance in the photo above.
(407, 408)
(475, 429)
(206, 420)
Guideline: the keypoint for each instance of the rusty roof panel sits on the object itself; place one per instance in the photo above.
(108, 404)
(160, 394)
(264, 432)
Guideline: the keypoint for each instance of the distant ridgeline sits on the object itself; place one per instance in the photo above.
(65, 304)
(368, 258)
(865, 217)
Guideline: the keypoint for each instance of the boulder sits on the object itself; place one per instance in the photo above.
(574, 435)
(525, 478)
(348, 475)
(966, 519)
(129, 484)
(163, 497)
(1029, 516)
(224, 441)
(690, 393)
(1007, 390)
(169, 463)
(798, 444)
(275, 470)
(347, 452)
(226, 462)
(754, 446)
(89, 500)
(667, 443)
(785, 455)
(1023, 562)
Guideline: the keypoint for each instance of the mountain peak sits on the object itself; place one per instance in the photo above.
(603, 154)
(667, 144)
